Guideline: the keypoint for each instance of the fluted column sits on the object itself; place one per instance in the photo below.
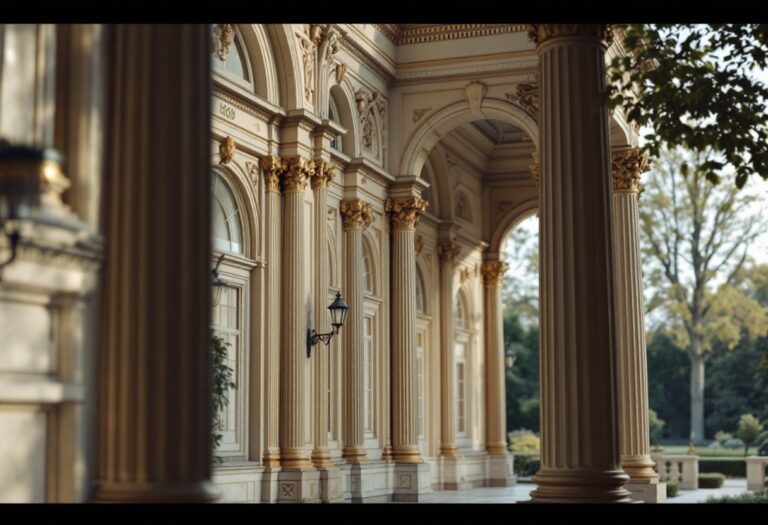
(633, 370)
(154, 432)
(404, 213)
(578, 374)
(447, 251)
(323, 174)
(357, 215)
(496, 416)
(293, 455)
(273, 168)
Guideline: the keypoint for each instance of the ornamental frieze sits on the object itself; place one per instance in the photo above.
(540, 33)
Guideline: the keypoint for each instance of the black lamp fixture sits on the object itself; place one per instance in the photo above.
(25, 173)
(338, 309)
(510, 356)
(217, 283)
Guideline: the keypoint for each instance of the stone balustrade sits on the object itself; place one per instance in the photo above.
(756, 472)
(683, 470)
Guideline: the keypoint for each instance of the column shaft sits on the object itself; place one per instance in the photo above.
(579, 411)
(447, 251)
(496, 424)
(154, 433)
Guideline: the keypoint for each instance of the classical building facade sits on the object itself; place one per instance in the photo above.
(386, 162)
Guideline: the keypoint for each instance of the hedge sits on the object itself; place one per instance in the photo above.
(711, 480)
(672, 489)
(526, 465)
(732, 468)
(757, 497)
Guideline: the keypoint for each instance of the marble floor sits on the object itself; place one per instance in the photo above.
(521, 491)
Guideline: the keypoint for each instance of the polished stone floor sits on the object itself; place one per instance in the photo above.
(521, 491)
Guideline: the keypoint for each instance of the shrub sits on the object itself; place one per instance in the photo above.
(721, 437)
(655, 426)
(733, 468)
(733, 443)
(526, 465)
(757, 497)
(711, 480)
(524, 441)
(761, 443)
(222, 382)
(749, 429)
(672, 489)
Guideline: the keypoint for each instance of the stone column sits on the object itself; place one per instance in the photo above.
(293, 455)
(627, 166)
(447, 251)
(580, 459)
(357, 215)
(154, 430)
(324, 171)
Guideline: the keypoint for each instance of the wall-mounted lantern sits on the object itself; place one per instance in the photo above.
(338, 309)
(217, 283)
(510, 356)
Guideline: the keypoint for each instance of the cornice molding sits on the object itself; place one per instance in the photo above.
(418, 34)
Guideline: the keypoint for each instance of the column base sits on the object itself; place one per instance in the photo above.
(647, 492)
(330, 485)
(169, 492)
(407, 454)
(501, 470)
(452, 473)
(298, 486)
(580, 486)
(269, 485)
(411, 481)
(354, 455)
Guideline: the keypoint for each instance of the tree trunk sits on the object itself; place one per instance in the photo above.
(697, 399)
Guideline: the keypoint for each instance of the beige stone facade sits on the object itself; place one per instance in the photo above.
(385, 162)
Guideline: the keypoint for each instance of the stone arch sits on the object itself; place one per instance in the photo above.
(423, 140)
(421, 279)
(344, 100)
(439, 186)
(237, 179)
(369, 249)
(510, 220)
(261, 60)
(288, 65)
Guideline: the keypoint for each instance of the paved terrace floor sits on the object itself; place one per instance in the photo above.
(520, 492)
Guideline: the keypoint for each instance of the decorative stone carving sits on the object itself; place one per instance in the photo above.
(447, 251)
(464, 274)
(296, 176)
(540, 33)
(405, 212)
(226, 150)
(418, 113)
(627, 165)
(493, 272)
(366, 103)
(253, 172)
(419, 244)
(356, 214)
(475, 92)
(463, 211)
(527, 97)
(368, 132)
(273, 167)
(341, 70)
(323, 174)
(308, 59)
(535, 168)
(223, 35)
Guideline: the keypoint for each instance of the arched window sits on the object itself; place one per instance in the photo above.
(460, 312)
(367, 273)
(227, 231)
(234, 64)
(333, 115)
(419, 292)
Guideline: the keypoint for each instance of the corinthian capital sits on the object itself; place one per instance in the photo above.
(447, 251)
(493, 272)
(627, 165)
(273, 167)
(296, 176)
(323, 174)
(356, 214)
(540, 33)
(404, 212)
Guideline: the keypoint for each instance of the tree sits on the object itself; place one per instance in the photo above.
(749, 429)
(695, 239)
(655, 426)
(520, 288)
(222, 384)
(693, 86)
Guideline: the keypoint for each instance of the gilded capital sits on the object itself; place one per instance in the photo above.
(273, 167)
(493, 272)
(356, 214)
(404, 212)
(323, 174)
(627, 165)
(540, 33)
(447, 251)
(296, 176)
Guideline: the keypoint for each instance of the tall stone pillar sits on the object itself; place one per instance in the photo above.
(154, 433)
(357, 215)
(323, 174)
(447, 251)
(578, 374)
(404, 209)
(644, 484)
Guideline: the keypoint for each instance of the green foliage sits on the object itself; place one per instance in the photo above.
(522, 380)
(668, 391)
(721, 437)
(756, 497)
(711, 480)
(526, 465)
(733, 468)
(222, 383)
(672, 489)
(655, 425)
(761, 443)
(694, 87)
(524, 441)
(749, 428)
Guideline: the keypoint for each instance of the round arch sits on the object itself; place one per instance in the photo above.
(344, 100)
(510, 220)
(288, 65)
(235, 178)
(425, 289)
(261, 57)
(426, 136)
(440, 191)
(369, 249)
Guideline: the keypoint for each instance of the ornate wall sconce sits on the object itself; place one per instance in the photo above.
(338, 309)
(510, 356)
(217, 283)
